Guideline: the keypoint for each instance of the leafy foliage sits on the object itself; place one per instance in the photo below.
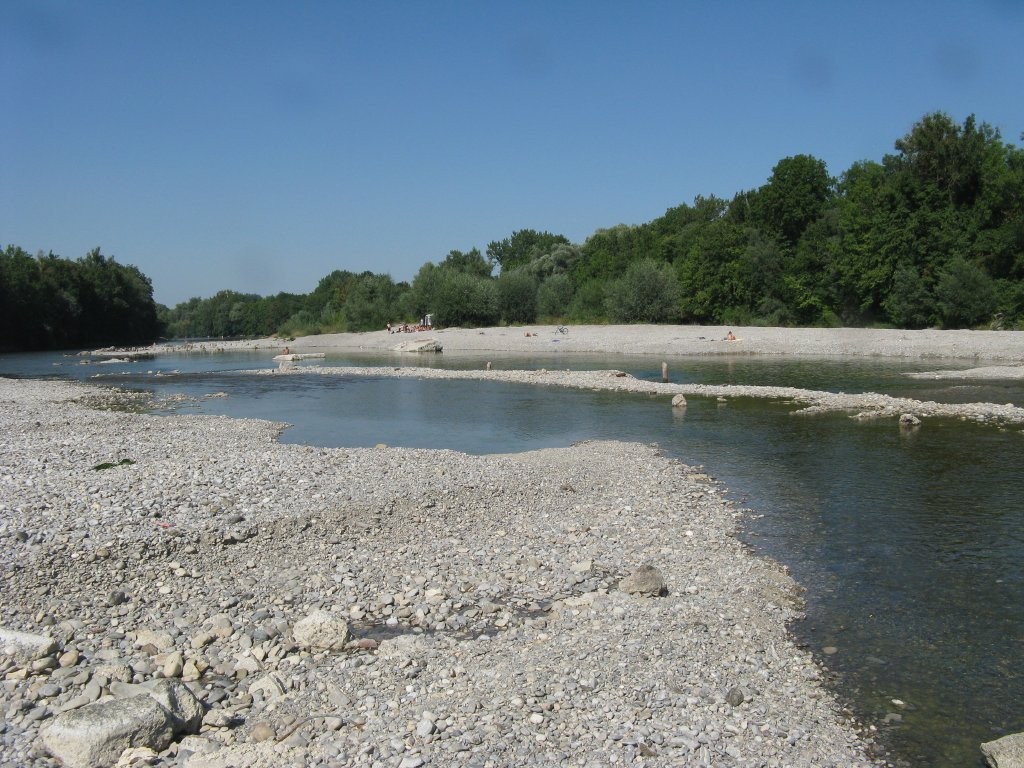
(47, 302)
(647, 293)
(932, 234)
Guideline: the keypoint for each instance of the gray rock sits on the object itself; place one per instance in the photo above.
(177, 698)
(97, 734)
(25, 647)
(1007, 752)
(269, 685)
(425, 727)
(162, 641)
(321, 630)
(646, 580)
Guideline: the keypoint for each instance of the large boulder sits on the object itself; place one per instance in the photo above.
(185, 708)
(25, 647)
(1007, 752)
(96, 735)
(321, 630)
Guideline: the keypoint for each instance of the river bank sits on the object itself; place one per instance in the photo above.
(684, 340)
(489, 597)
(670, 340)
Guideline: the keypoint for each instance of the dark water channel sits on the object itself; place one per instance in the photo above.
(909, 544)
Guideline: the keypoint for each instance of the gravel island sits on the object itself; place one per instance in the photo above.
(584, 606)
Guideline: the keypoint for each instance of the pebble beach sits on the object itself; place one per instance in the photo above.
(583, 606)
(281, 605)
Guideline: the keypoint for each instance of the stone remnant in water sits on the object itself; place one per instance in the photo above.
(1007, 752)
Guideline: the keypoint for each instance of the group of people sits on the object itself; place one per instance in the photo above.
(406, 328)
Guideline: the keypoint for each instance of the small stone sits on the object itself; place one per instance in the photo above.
(646, 580)
(160, 640)
(322, 630)
(262, 732)
(173, 666)
(425, 727)
(734, 697)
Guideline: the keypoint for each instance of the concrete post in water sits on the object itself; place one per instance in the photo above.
(488, 365)
(664, 372)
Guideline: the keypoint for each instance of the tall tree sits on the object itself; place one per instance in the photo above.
(796, 195)
(522, 247)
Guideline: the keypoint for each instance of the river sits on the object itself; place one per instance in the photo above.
(909, 544)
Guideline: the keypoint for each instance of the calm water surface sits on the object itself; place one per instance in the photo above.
(909, 544)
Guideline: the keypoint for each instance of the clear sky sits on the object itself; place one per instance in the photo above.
(258, 146)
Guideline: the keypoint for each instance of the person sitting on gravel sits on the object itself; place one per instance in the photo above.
(730, 336)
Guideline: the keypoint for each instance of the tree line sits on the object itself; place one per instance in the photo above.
(47, 302)
(930, 235)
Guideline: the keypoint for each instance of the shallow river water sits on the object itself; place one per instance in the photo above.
(909, 544)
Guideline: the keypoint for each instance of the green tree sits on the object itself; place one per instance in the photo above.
(523, 247)
(909, 303)
(588, 302)
(469, 262)
(709, 272)
(372, 302)
(796, 195)
(647, 293)
(464, 299)
(608, 252)
(554, 297)
(517, 297)
(965, 295)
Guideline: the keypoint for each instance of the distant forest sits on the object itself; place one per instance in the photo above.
(931, 236)
(47, 302)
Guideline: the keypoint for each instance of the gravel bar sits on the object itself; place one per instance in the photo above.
(582, 606)
(865, 405)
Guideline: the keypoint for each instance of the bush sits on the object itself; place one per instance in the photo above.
(588, 303)
(465, 300)
(647, 293)
(554, 297)
(517, 297)
(965, 295)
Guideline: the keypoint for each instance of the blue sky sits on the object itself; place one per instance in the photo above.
(258, 146)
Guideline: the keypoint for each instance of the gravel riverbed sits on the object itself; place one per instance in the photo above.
(499, 608)
(861, 405)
